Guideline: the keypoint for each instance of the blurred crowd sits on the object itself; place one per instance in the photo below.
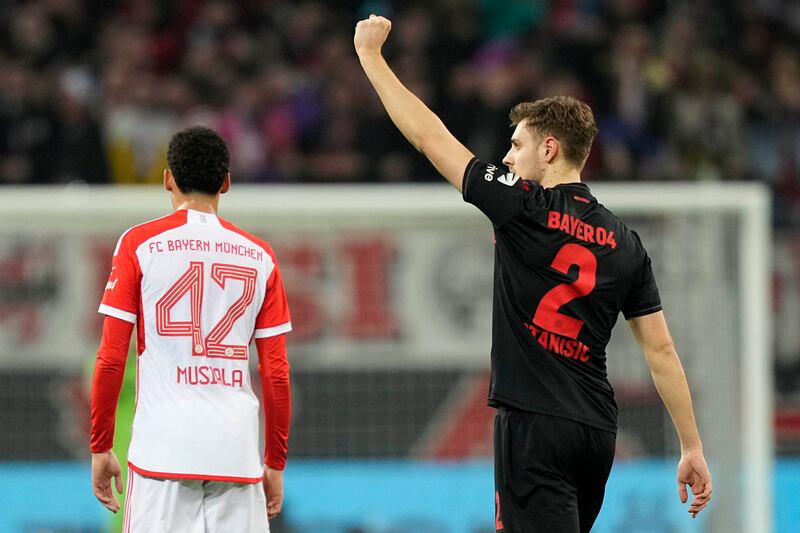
(91, 90)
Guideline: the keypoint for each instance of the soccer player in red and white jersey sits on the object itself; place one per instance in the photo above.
(198, 290)
(565, 267)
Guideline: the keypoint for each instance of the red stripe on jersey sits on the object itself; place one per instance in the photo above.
(204, 477)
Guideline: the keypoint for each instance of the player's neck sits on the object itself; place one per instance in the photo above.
(196, 202)
(559, 175)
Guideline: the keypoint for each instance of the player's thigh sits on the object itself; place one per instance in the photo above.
(163, 505)
(594, 472)
(240, 507)
(533, 493)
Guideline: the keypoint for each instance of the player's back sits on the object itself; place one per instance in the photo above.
(565, 267)
(199, 289)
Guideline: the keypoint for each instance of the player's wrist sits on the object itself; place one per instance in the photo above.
(101, 451)
(368, 54)
(691, 447)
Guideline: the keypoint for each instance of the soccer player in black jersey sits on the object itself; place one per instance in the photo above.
(565, 267)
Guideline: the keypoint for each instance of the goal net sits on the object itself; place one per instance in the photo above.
(390, 293)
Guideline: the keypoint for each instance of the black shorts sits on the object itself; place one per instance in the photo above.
(550, 473)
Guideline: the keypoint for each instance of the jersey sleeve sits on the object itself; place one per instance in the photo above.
(643, 297)
(121, 295)
(500, 196)
(273, 318)
(109, 370)
(273, 367)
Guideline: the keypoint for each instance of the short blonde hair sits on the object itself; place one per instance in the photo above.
(567, 119)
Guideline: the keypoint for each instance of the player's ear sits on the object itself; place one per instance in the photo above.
(551, 148)
(226, 184)
(169, 180)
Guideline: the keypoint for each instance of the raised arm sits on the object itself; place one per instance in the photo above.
(652, 333)
(415, 121)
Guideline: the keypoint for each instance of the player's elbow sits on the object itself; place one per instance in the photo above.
(661, 349)
(664, 346)
(423, 143)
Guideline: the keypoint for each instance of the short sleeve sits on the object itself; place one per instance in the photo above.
(121, 295)
(500, 196)
(643, 297)
(273, 318)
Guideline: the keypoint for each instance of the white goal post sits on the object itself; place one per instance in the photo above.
(711, 248)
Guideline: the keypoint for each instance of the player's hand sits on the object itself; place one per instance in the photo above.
(105, 467)
(371, 33)
(273, 489)
(693, 471)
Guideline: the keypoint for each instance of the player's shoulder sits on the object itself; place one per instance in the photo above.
(140, 233)
(628, 236)
(601, 215)
(261, 243)
(493, 175)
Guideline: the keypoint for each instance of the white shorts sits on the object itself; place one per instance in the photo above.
(193, 506)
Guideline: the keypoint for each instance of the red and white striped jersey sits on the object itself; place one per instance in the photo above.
(199, 289)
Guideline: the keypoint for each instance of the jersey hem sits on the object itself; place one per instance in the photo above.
(127, 316)
(642, 312)
(204, 477)
(495, 400)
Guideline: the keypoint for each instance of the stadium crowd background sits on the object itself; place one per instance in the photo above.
(91, 90)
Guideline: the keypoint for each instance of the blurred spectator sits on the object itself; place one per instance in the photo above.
(28, 126)
(78, 152)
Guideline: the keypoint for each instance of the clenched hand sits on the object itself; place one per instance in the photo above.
(370, 34)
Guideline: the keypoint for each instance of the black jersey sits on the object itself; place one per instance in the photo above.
(565, 267)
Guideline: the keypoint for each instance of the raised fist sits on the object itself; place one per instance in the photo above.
(371, 33)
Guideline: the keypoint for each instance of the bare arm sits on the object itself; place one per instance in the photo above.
(652, 333)
(415, 121)
(653, 336)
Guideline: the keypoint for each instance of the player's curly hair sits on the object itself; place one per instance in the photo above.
(199, 160)
(567, 119)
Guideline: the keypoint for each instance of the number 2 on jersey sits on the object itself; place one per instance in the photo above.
(193, 281)
(547, 315)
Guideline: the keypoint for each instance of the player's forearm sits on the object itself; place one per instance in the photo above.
(273, 367)
(109, 371)
(280, 416)
(412, 117)
(670, 381)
